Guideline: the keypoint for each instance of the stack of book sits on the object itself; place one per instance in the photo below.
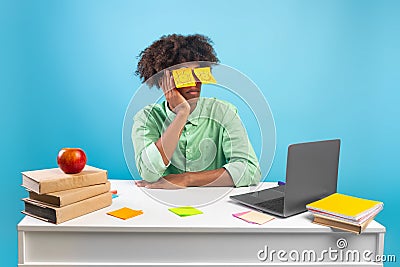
(345, 212)
(57, 197)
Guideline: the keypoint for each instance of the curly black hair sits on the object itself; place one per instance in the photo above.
(171, 50)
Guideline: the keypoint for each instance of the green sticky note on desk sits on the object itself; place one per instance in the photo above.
(185, 211)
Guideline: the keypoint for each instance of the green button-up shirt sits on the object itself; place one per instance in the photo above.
(213, 137)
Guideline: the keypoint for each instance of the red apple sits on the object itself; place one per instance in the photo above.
(71, 160)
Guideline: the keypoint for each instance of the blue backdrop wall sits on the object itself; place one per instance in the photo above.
(327, 68)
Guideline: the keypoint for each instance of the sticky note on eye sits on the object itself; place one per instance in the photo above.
(185, 211)
(183, 77)
(125, 213)
(204, 75)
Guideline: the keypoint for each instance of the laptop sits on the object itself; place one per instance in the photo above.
(311, 174)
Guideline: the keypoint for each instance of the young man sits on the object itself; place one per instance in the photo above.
(188, 140)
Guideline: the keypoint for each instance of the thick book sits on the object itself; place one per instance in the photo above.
(349, 207)
(66, 197)
(53, 180)
(342, 225)
(56, 215)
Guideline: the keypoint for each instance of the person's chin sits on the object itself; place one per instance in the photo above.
(192, 95)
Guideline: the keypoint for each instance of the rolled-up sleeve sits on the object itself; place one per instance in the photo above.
(242, 163)
(148, 159)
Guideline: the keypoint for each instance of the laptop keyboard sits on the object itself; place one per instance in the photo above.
(275, 204)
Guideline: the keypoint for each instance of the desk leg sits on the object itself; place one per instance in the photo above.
(380, 242)
(21, 247)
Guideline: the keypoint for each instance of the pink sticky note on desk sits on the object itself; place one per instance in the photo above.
(237, 215)
(254, 217)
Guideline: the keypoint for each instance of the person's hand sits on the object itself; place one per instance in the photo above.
(176, 101)
(171, 181)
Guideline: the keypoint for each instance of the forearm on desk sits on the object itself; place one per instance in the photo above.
(217, 177)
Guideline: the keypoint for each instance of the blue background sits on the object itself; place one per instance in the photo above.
(327, 68)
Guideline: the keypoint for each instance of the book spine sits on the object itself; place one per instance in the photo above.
(83, 207)
(338, 225)
(73, 181)
(356, 228)
(63, 198)
(85, 193)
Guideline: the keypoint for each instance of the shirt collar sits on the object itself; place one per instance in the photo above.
(193, 117)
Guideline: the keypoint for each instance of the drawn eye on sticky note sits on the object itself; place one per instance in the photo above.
(183, 77)
(204, 75)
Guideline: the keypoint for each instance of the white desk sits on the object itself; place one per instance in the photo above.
(161, 238)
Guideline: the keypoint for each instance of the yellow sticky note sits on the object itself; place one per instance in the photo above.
(256, 217)
(183, 77)
(125, 213)
(204, 75)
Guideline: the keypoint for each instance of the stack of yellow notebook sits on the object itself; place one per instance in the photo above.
(345, 212)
